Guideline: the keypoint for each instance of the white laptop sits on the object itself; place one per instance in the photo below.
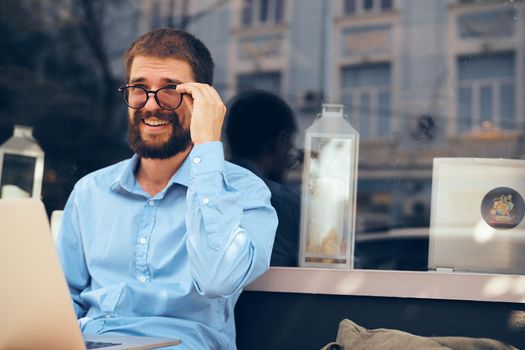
(36, 311)
(477, 212)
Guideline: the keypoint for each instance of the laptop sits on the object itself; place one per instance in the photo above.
(36, 308)
(477, 215)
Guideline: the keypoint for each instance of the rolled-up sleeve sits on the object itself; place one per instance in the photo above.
(230, 221)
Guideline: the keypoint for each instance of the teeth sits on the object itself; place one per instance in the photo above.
(155, 122)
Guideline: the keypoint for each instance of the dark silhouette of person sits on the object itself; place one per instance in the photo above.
(260, 129)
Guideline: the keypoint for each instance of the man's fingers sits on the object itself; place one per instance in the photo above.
(198, 90)
(202, 92)
(207, 111)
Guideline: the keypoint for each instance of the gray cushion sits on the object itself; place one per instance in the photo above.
(354, 337)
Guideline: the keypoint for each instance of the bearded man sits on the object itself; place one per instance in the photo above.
(162, 244)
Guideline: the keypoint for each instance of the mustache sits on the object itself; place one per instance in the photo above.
(170, 116)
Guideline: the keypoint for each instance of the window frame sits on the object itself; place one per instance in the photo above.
(399, 284)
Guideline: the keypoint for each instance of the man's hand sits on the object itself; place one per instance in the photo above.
(207, 111)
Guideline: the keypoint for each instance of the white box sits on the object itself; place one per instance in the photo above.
(476, 221)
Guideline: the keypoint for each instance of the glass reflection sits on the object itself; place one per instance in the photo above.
(420, 80)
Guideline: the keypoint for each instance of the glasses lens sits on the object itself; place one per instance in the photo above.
(135, 97)
(169, 98)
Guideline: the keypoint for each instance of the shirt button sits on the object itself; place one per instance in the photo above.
(143, 279)
(151, 202)
(205, 201)
(143, 240)
(196, 160)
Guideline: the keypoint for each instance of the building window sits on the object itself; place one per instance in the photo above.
(279, 11)
(352, 7)
(156, 18)
(269, 81)
(262, 12)
(169, 13)
(349, 6)
(386, 4)
(247, 10)
(486, 92)
(366, 94)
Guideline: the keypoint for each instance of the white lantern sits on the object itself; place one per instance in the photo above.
(329, 191)
(21, 165)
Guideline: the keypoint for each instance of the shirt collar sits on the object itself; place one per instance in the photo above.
(127, 181)
(182, 176)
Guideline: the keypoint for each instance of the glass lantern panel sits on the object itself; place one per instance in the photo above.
(18, 171)
(328, 192)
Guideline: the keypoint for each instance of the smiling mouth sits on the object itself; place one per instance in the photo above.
(155, 122)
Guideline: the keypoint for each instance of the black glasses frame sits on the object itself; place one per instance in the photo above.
(125, 87)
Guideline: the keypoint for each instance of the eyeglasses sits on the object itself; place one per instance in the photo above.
(137, 96)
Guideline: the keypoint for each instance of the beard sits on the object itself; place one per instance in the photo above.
(178, 141)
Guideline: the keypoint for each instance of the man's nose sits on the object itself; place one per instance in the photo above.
(151, 103)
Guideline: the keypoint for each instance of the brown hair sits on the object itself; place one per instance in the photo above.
(173, 43)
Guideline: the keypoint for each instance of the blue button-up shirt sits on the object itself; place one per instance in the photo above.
(170, 265)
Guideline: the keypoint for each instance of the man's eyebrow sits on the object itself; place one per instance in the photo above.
(166, 80)
(137, 80)
(172, 81)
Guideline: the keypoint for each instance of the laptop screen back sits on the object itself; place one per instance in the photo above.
(34, 301)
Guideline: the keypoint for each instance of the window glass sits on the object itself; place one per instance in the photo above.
(464, 109)
(350, 6)
(486, 103)
(156, 19)
(265, 81)
(247, 12)
(364, 118)
(435, 90)
(483, 66)
(384, 115)
(368, 4)
(263, 11)
(507, 105)
(279, 10)
(386, 4)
